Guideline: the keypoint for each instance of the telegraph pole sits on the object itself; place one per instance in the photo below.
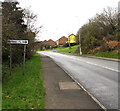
(69, 42)
(80, 43)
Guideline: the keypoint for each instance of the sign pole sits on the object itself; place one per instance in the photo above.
(12, 42)
(24, 59)
(10, 58)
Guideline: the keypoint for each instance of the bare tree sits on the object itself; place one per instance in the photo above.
(31, 19)
(108, 19)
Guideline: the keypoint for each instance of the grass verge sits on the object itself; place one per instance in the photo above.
(70, 50)
(113, 54)
(24, 91)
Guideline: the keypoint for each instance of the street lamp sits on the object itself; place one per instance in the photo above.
(80, 43)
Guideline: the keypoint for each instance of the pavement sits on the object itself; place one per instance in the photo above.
(61, 91)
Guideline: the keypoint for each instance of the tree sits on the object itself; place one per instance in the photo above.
(104, 25)
(15, 27)
(108, 21)
(30, 19)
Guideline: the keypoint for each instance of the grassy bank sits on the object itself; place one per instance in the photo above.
(113, 54)
(69, 50)
(24, 91)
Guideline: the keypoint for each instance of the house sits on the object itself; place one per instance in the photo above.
(72, 39)
(45, 44)
(62, 40)
(51, 42)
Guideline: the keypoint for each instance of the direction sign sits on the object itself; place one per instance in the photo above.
(18, 42)
(12, 42)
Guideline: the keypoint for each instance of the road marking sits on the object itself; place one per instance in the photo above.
(52, 56)
(102, 66)
(94, 64)
(98, 65)
(91, 95)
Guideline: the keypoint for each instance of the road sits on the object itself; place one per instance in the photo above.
(99, 77)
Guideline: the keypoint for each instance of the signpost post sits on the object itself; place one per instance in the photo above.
(10, 58)
(17, 42)
(24, 59)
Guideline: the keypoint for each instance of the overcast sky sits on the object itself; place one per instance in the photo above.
(64, 17)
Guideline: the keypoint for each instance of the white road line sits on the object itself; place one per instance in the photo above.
(90, 94)
(103, 66)
(52, 56)
(97, 65)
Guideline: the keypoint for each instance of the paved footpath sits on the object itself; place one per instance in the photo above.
(61, 91)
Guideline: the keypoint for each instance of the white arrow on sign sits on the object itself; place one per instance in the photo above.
(17, 41)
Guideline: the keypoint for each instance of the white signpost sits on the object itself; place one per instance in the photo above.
(17, 42)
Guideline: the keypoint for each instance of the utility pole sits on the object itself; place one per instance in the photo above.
(69, 42)
(80, 43)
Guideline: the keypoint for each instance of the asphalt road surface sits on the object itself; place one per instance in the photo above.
(99, 77)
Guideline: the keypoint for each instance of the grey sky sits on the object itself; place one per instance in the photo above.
(64, 17)
(119, 6)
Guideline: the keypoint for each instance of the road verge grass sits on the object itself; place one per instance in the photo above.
(24, 91)
(113, 54)
(69, 50)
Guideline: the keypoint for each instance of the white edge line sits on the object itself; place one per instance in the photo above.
(93, 64)
(97, 65)
(102, 66)
(92, 96)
